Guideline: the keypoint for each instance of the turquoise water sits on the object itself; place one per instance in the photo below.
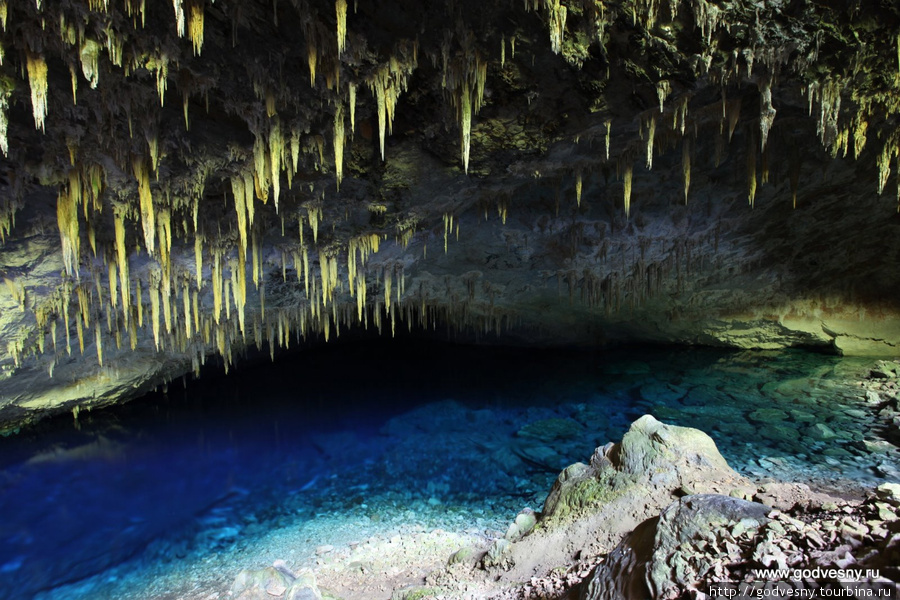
(205, 469)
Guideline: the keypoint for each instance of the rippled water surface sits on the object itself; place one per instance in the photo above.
(206, 467)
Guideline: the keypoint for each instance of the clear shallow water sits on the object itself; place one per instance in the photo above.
(208, 467)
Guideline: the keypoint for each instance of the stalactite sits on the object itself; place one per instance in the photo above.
(734, 114)
(98, 340)
(751, 171)
(90, 62)
(122, 259)
(606, 141)
(557, 15)
(37, 79)
(148, 214)
(312, 57)
(651, 136)
(340, 8)
(67, 219)
(240, 208)
(766, 111)
(195, 26)
(276, 148)
(339, 144)
(578, 186)
(179, 17)
(629, 171)
(859, 135)
(5, 93)
(465, 123)
(352, 100)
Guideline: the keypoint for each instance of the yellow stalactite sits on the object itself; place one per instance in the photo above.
(72, 74)
(651, 135)
(340, 8)
(578, 187)
(751, 174)
(276, 147)
(388, 284)
(195, 26)
(352, 100)
(67, 219)
(257, 261)
(629, 172)
(312, 57)
(261, 169)
(339, 143)
(37, 79)
(465, 123)
(98, 339)
(217, 286)
(122, 259)
(240, 208)
(148, 214)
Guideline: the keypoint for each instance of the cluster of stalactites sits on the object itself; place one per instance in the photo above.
(387, 82)
(464, 78)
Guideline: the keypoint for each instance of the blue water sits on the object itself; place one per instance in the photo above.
(211, 463)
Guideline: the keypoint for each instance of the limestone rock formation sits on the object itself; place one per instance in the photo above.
(653, 462)
(190, 181)
(649, 562)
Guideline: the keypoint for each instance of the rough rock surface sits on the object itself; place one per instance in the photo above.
(645, 564)
(184, 183)
(702, 541)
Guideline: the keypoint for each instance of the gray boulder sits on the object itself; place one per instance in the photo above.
(657, 559)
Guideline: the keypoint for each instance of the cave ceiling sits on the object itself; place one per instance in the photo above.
(187, 179)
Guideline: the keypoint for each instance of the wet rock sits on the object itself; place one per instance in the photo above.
(662, 392)
(820, 431)
(768, 415)
(782, 432)
(884, 369)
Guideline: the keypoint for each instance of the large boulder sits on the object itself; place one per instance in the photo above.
(656, 558)
(592, 507)
(653, 463)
